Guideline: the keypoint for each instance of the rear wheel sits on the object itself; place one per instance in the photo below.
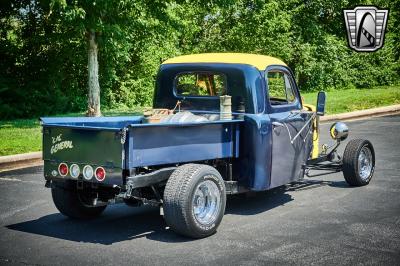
(194, 200)
(72, 203)
(358, 162)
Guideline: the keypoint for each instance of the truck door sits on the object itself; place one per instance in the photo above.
(287, 118)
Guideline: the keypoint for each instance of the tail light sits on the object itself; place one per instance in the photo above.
(74, 170)
(63, 169)
(100, 174)
(88, 172)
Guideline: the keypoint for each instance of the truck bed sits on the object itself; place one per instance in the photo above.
(126, 143)
(168, 143)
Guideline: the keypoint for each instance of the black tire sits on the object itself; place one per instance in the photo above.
(179, 196)
(351, 155)
(68, 201)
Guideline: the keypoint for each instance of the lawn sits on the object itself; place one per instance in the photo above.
(341, 101)
(20, 136)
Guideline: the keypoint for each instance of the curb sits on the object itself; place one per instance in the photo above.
(12, 162)
(379, 111)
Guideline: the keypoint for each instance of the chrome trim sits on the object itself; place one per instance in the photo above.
(206, 202)
(365, 163)
(339, 131)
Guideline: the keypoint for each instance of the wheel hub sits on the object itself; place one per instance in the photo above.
(365, 163)
(206, 202)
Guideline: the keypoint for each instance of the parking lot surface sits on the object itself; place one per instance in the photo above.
(320, 220)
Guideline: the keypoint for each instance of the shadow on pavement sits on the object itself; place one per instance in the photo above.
(118, 223)
(121, 223)
(252, 203)
(307, 184)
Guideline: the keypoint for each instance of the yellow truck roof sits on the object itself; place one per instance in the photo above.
(259, 61)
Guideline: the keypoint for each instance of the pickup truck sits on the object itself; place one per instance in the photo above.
(221, 124)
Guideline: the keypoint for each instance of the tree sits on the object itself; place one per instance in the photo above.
(100, 22)
(113, 27)
(89, 19)
(93, 74)
(59, 56)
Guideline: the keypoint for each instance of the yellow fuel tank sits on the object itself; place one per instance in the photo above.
(315, 150)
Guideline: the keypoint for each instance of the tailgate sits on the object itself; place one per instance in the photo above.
(100, 147)
(83, 146)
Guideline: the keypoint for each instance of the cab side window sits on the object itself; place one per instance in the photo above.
(280, 88)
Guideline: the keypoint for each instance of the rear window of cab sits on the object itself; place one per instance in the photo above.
(200, 84)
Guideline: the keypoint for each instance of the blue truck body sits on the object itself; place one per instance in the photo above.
(221, 124)
(259, 159)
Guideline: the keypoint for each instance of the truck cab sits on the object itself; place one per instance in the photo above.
(264, 94)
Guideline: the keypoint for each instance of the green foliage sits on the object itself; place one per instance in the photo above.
(43, 46)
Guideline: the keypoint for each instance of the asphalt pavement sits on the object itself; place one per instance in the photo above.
(318, 221)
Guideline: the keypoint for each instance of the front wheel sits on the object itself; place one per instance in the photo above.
(194, 200)
(70, 202)
(358, 162)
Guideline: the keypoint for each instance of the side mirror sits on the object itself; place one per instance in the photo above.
(321, 103)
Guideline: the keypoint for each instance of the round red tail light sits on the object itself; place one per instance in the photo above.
(63, 169)
(100, 174)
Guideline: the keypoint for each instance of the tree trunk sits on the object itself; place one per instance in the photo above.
(93, 84)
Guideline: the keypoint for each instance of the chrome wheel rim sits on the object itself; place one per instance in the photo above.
(365, 163)
(206, 202)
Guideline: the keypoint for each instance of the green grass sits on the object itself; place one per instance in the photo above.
(342, 101)
(20, 136)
